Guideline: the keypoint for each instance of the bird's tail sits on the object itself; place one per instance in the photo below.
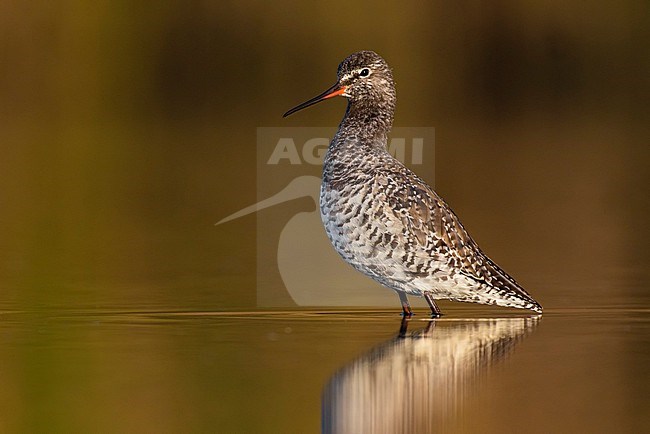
(507, 292)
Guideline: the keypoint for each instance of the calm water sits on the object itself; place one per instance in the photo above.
(474, 370)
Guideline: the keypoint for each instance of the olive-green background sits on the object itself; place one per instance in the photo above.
(128, 128)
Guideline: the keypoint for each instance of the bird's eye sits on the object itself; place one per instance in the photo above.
(364, 72)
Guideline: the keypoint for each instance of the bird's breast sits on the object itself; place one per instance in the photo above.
(362, 231)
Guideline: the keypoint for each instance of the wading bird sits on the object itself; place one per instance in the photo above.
(387, 222)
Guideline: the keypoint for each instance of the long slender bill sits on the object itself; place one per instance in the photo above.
(335, 90)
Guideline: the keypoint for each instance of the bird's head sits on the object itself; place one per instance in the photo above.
(364, 78)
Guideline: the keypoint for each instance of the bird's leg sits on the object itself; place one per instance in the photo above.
(435, 310)
(406, 307)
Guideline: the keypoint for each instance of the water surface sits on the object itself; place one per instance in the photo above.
(570, 370)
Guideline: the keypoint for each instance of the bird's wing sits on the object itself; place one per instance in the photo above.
(432, 228)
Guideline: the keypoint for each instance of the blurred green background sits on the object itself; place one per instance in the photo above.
(127, 129)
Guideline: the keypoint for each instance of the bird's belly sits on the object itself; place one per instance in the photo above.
(370, 238)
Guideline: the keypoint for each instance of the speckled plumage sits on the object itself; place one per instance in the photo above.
(386, 221)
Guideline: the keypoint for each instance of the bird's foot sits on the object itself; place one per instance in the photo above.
(406, 308)
(435, 310)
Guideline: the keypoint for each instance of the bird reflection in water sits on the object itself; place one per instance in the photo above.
(416, 381)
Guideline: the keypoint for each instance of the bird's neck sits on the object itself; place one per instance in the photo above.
(362, 135)
(367, 123)
(364, 127)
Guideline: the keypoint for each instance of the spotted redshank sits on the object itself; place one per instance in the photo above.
(386, 221)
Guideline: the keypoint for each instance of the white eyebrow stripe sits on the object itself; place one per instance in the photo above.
(356, 72)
